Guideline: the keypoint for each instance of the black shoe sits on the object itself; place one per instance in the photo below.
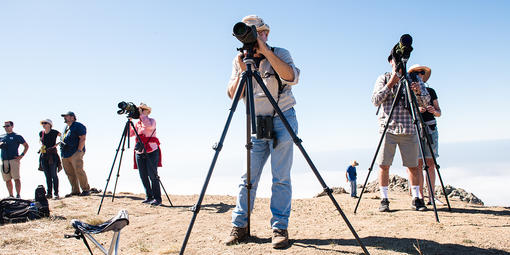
(18, 196)
(418, 204)
(84, 193)
(72, 194)
(48, 195)
(385, 205)
(147, 200)
(429, 202)
(155, 202)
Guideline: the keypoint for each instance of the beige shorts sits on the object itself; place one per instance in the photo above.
(408, 146)
(10, 169)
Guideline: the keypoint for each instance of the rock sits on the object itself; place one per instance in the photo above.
(397, 183)
(336, 190)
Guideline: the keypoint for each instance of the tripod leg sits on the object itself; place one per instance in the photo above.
(390, 115)
(415, 115)
(249, 146)
(439, 174)
(298, 142)
(113, 165)
(217, 148)
(126, 137)
(164, 190)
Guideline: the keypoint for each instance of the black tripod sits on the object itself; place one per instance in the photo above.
(122, 142)
(246, 79)
(404, 90)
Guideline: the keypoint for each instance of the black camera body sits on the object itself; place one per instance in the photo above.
(130, 109)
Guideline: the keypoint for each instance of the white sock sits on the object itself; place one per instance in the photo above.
(416, 191)
(384, 191)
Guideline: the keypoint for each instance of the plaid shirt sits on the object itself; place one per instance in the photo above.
(401, 122)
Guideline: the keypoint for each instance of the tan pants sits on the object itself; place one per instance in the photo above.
(73, 166)
(12, 169)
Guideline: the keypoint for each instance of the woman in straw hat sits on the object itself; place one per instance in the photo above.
(429, 114)
(148, 155)
(49, 161)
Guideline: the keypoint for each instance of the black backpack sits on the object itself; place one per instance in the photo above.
(14, 210)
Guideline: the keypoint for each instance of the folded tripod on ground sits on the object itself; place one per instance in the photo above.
(85, 231)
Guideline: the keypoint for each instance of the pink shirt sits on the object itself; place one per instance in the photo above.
(146, 126)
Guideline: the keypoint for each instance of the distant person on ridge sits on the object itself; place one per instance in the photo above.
(350, 176)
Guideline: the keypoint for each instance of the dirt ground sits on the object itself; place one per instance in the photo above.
(315, 227)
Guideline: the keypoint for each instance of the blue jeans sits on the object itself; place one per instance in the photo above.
(353, 188)
(148, 169)
(281, 163)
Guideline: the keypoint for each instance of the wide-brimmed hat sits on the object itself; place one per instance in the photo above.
(145, 107)
(257, 21)
(354, 163)
(419, 68)
(48, 121)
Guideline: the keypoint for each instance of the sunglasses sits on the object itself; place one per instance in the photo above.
(44, 123)
(7, 126)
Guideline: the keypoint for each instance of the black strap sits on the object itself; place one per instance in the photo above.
(280, 85)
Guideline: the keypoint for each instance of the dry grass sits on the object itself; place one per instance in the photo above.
(315, 228)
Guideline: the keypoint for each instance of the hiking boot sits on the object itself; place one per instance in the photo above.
(72, 194)
(236, 235)
(418, 204)
(385, 205)
(147, 200)
(280, 238)
(155, 202)
(84, 193)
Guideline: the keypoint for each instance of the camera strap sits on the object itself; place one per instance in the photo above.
(280, 85)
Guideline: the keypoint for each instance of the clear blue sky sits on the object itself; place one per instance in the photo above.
(86, 56)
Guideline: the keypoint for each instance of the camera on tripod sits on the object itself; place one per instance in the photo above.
(130, 109)
(402, 50)
(245, 34)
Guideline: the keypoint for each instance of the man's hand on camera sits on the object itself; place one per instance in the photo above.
(240, 57)
(262, 47)
(422, 109)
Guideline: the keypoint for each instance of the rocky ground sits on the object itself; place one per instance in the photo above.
(315, 227)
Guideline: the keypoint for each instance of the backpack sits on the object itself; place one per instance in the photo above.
(14, 210)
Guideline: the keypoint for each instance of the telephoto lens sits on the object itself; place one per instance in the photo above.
(245, 33)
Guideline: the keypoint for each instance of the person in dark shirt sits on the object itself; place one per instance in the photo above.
(9, 144)
(72, 151)
(350, 176)
(49, 160)
(429, 114)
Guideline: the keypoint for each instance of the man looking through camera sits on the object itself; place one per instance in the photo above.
(401, 132)
(278, 72)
